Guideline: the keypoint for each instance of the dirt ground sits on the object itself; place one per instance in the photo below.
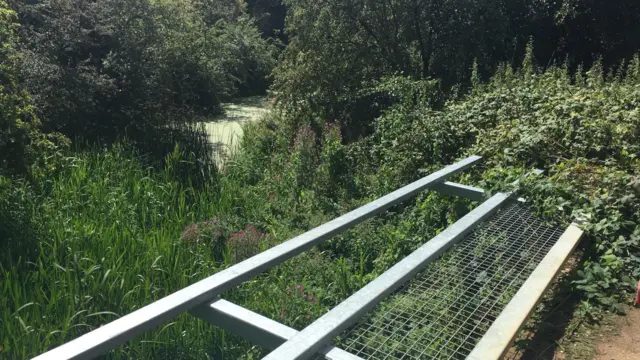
(555, 333)
(615, 338)
(625, 345)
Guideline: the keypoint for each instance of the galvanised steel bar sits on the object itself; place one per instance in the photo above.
(465, 191)
(256, 328)
(307, 342)
(123, 329)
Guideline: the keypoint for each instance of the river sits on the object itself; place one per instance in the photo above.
(225, 130)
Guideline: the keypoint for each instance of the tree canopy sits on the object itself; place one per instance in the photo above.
(106, 69)
(339, 49)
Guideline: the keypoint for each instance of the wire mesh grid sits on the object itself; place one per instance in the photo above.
(444, 311)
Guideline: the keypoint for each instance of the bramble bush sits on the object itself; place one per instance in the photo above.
(583, 131)
(582, 128)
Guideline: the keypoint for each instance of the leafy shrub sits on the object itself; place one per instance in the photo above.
(258, 150)
(409, 142)
(16, 114)
(24, 150)
(584, 133)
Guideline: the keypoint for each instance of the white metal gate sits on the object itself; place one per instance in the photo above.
(488, 342)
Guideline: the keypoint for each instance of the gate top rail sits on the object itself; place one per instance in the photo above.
(125, 328)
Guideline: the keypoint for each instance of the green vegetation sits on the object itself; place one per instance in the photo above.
(140, 69)
(22, 145)
(369, 96)
(340, 49)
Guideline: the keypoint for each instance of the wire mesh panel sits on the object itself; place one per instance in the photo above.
(444, 311)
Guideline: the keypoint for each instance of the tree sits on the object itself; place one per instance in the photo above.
(340, 49)
(269, 16)
(20, 136)
(140, 69)
(590, 27)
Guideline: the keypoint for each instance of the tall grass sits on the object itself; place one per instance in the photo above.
(108, 234)
(107, 237)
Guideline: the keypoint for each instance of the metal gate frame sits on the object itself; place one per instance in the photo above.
(201, 298)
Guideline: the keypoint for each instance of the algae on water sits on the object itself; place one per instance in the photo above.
(225, 130)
